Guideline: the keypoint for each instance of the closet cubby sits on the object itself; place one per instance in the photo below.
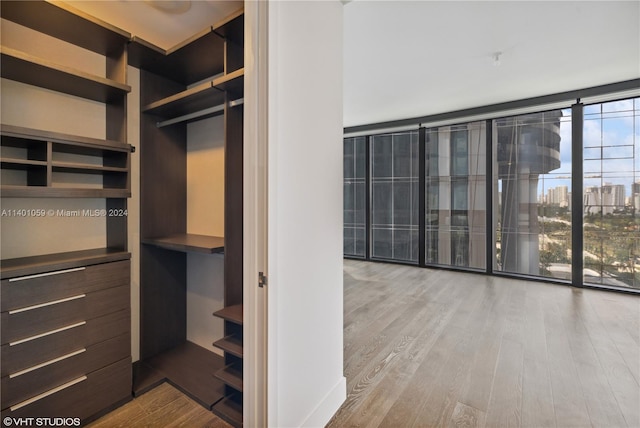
(198, 79)
(44, 156)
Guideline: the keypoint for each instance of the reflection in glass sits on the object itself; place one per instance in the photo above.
(532, 194)
(455, 211)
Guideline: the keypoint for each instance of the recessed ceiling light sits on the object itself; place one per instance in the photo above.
(170, 6)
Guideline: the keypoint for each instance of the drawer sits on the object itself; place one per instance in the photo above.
(81, 397)
(46, 287)
(21, 386)
(37, 320)
(22, 355)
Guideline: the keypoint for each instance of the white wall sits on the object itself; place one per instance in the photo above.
(38, 108)
(205, 216)
(306, 382)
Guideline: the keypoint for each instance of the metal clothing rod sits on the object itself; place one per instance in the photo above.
(197, 114)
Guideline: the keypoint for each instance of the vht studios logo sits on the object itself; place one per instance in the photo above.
(41, 422)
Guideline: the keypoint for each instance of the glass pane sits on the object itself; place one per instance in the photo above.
(612, 195)
(354, 194)
(394, 196)
(532, 201)
(455, 196)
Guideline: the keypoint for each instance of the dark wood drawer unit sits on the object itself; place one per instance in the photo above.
(22, 385)
(83, 397)
(60, 329)
(24, 324)
(29, 290)
(27, 354)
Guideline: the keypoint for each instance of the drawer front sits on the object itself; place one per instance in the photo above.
(33, 352)
(82, 397)
(32, 290)
(37, 320)
(26, 384)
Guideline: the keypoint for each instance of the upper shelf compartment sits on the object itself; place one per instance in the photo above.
(66, 23)
(185, 63)
(25, 68)
(199, 97)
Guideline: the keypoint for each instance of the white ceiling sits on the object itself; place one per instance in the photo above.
(405, 59)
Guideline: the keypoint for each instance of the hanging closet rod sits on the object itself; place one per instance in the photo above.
(201, 113)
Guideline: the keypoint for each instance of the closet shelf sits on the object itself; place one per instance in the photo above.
(85, 168)
(15, 136)
(231, 375)
(186, 242)
(25, 68)
(66, 23)
(231, 345)
(33, 265)
(231, 313)
(197, 98)
(15, 163)
(230, 409)
(61, 192)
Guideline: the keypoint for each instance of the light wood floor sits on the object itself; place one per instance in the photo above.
(437, 348)
(162, 407)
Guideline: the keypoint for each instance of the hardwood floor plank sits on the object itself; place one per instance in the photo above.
(537, 398)
(123, 417)
(505, 404)
(466, 417)
(163, 406)
(477, 389)
(568, 399)
(601, 402)
(439, 406)
(404, 411)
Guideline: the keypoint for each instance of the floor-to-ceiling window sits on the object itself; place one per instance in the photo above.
(394, 196)
(549, 193)
(355, 191)
(611, 199)
(532, 194)
(455, 189)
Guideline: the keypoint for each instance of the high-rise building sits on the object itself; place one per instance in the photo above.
(605, 199)
(528, 145)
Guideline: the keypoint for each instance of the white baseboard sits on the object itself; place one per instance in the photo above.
(329, 405)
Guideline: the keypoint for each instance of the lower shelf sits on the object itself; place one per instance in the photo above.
(230, 409)
(188, 367)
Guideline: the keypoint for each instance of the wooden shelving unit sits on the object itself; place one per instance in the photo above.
(67, 313)
(197, 79)
(38, 150)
